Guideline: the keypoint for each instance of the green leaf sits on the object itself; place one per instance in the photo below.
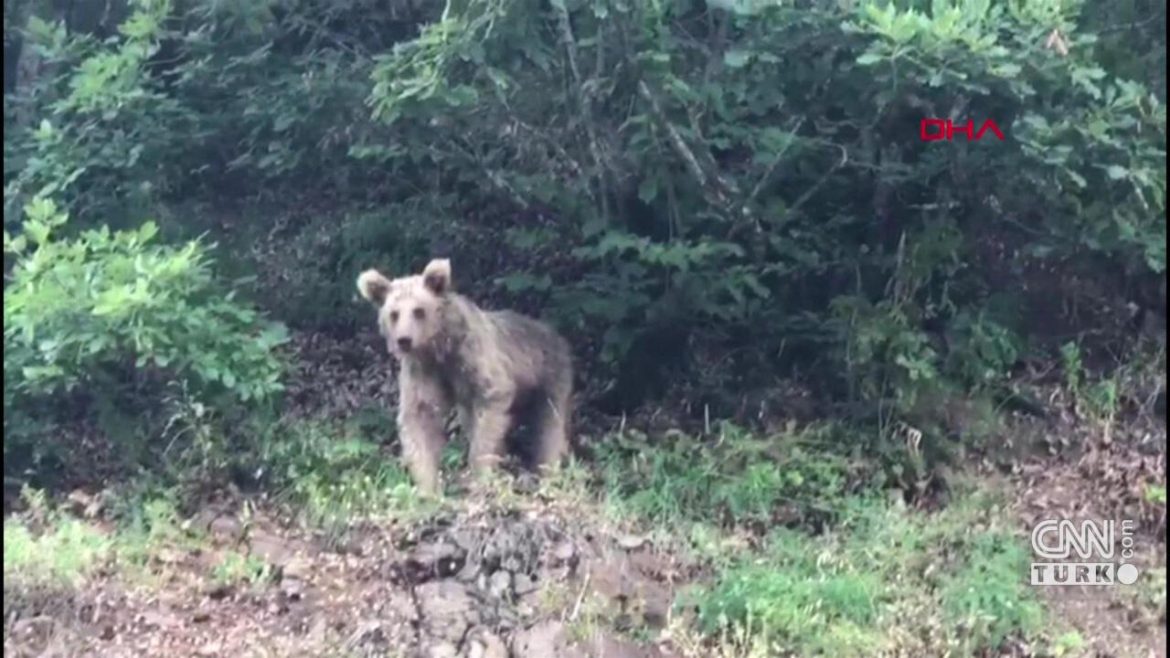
(282, 123)
(463, 95)
(1008, 70)
(869, 59)
(736, 58)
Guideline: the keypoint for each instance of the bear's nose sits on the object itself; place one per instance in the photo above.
(404, 344)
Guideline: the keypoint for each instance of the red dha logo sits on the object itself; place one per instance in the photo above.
(933, 130)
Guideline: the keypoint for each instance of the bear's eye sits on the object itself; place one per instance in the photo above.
(419, 313)
(394, 316)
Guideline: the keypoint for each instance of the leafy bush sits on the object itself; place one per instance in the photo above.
(669, 182)
(788, 478)
(91, 130)
(1091, 144)
(107, 313)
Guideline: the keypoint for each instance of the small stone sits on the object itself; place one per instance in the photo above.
(565, 551)
(226, 527)
(298, 568)
(446, 610)
(442, 650)
(525, 611)
(523, 584)
(500, 585)
(630, 542)
(440, 559)
(293, 588)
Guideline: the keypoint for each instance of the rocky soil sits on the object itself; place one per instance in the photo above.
(480, 584)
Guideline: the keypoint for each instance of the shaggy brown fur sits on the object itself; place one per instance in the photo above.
(496, 368)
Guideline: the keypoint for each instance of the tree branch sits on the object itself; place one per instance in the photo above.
(583, 100)
(718, 191)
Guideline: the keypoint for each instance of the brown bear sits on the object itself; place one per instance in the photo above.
(496, 368)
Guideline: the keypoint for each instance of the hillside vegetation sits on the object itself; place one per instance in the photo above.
(829, 373)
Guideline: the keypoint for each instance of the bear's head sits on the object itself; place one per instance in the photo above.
(409, 307)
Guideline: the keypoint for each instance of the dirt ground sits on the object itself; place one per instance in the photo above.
(488, 584)
(1102, 481)
(477, 583)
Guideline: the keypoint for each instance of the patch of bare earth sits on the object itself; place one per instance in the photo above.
(1097, 471)
(477, 584)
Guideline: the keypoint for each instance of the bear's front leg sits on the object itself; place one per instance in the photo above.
(422, 406)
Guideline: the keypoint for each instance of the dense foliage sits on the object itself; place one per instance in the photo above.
(736, 190)
(108, 317)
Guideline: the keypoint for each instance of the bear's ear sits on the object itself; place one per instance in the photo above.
(373, 286)
(437, 276)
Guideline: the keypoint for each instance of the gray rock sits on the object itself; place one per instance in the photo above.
(441, 559)
(447, 610)
(442, 650)
(523, 584)
(486, 645)
(630, 542)
(565, 551)
(500, 584)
